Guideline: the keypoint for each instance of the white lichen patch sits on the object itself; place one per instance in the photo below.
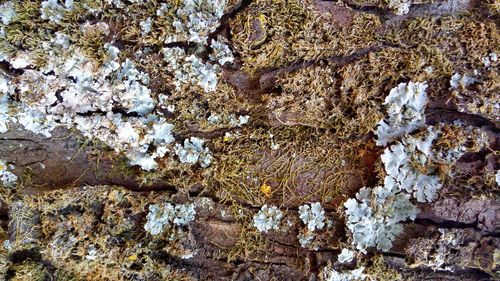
(490, 59)
(306, 240)
(238, 122)
(146, 26)
(405, 107)
(459, 81)
(111, 100)
(20, 60)
(400, 7)
(313, 216)
(51, 10)
(190, 69)
(196, 19)
(7, 178)
(167, 216)
(4, 106)
(329, 274)
(36, 121)
(213, 119)
(400, 173)
(193, 152)
(374, 217)
(346, 255)
(269, 217)
(221, 52)
(92, 253)
(136, 129)
(163, 10)
(7, 12)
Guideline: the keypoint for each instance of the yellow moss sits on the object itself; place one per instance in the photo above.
(377, 269)
(276, 22)
(74, 220)
(268, 36)
(321, 100)
(29, 270)
(308, 166)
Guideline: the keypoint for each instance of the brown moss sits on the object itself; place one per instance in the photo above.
(271, 34)
(308, 166)
(378, 269)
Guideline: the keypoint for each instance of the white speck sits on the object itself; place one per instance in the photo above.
(346, 255)
(490, 59)
(146, 26)
(213, 119)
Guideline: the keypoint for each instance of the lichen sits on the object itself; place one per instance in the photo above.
(159, 217)
(329, 274)
(257, 103)
(375, 216)
(268, 218)
(313, 216)
(7, 178)
(405, 111)
(346, 256)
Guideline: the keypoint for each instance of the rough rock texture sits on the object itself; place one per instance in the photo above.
(77, 196)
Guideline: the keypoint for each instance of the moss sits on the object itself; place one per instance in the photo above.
(463, 39)
(378, 269)
(309, 166)
(108, 219)
(250, 243)
(261, 34)
(272, 34)
(28, 269)
(321, 115)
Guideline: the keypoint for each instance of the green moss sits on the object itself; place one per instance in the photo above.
(35, 271)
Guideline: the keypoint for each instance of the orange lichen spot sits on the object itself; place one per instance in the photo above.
(265, 189)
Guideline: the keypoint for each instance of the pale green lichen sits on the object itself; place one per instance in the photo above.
(268, 218)
(7, 178)
(163, 217)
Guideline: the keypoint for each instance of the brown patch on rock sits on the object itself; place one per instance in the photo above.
(243, 82)
(483, 214)
(341, 15)
(215, 232)
(284, 118)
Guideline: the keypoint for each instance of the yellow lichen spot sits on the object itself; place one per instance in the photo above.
(227, 138)
(132, 258)
(265, 189)
(262, 19)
